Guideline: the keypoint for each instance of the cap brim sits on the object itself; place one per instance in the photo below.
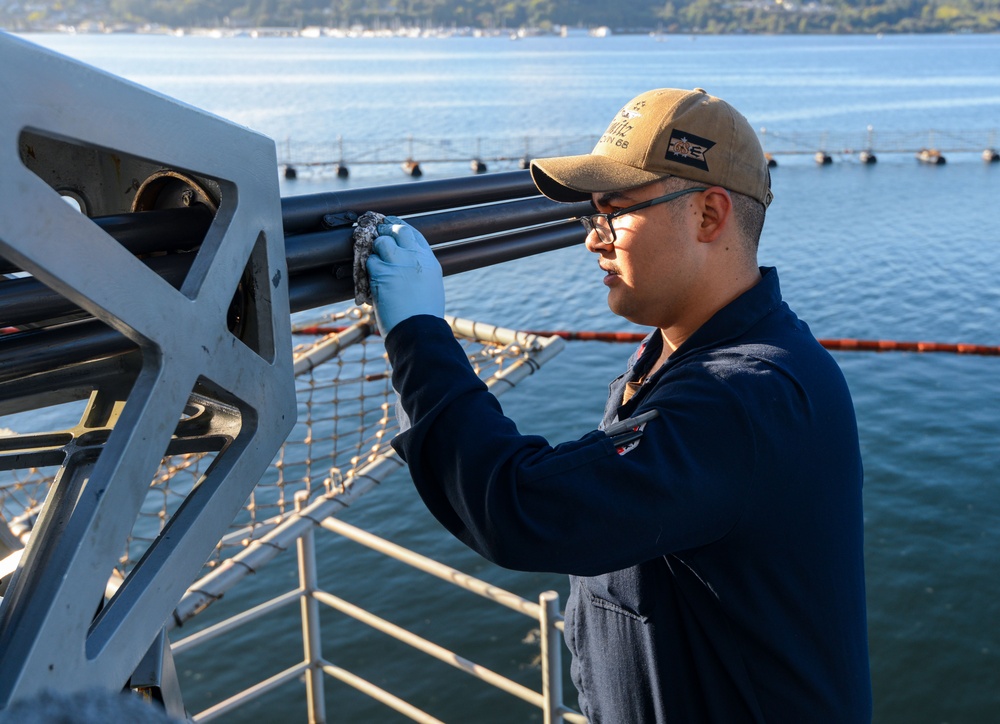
(575, 178)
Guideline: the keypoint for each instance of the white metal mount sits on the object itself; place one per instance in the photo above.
(69, 130)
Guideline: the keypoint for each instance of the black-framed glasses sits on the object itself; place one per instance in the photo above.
(601, 223)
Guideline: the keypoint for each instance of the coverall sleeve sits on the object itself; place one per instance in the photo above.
(579, 507)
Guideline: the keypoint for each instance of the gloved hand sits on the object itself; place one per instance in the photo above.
(405, 275)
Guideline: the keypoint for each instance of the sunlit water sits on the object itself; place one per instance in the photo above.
(891, 251)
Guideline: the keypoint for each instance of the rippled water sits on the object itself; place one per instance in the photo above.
(892, 251)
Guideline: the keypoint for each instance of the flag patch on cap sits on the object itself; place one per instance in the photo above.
(688, 149)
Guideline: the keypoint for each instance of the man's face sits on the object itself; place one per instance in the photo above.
(653, 265)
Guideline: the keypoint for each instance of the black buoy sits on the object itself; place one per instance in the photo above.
(290, 173)
(867, 157)
(412, 168)
(477, 166)
(342, 171)
(823, 158)
(991, 156)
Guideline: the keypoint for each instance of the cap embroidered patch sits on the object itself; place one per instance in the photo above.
(689, 149)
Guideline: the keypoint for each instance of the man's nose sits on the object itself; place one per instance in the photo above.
(594, 243)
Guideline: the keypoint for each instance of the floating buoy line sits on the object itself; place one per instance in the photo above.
(410, 153)
(843, 345)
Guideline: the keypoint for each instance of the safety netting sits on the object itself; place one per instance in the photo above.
(338, 450)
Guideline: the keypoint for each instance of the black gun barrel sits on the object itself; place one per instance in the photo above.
(318, 288)
(305, 213)
(26, 301)
(151, 232)
(470, 223)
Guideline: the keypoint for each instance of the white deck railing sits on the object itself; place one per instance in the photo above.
(314, 666)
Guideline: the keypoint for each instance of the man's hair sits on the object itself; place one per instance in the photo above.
(748, 212)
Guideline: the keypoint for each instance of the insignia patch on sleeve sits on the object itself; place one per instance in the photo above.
(628, 441)
(626, 434)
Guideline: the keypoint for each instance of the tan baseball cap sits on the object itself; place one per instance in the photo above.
(663, 132)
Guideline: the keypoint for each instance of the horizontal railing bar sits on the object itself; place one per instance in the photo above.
(545, 349)
(222, 627)
(378, 694)
(261, 551)
(572, 715)
(253, 692)
(434, 568)
(431, 649)
(331, 346)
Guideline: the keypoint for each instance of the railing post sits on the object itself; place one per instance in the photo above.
(551, 658)
(311, 643)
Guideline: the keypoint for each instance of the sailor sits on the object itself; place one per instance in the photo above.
(712, 525)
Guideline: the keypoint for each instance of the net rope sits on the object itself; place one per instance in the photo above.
(346, 420)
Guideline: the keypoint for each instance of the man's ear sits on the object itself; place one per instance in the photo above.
(716, 208)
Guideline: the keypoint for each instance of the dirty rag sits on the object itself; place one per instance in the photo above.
(364, 236)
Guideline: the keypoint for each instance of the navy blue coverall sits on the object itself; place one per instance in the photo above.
(716, 565)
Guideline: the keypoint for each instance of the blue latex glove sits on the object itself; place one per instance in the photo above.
(405, 275)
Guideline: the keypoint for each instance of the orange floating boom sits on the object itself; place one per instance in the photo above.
(843, 345)
(888, 345)
(848, 345)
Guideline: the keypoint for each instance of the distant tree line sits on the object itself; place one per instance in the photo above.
(669, 16)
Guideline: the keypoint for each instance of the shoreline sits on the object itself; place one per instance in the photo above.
(315, 32)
